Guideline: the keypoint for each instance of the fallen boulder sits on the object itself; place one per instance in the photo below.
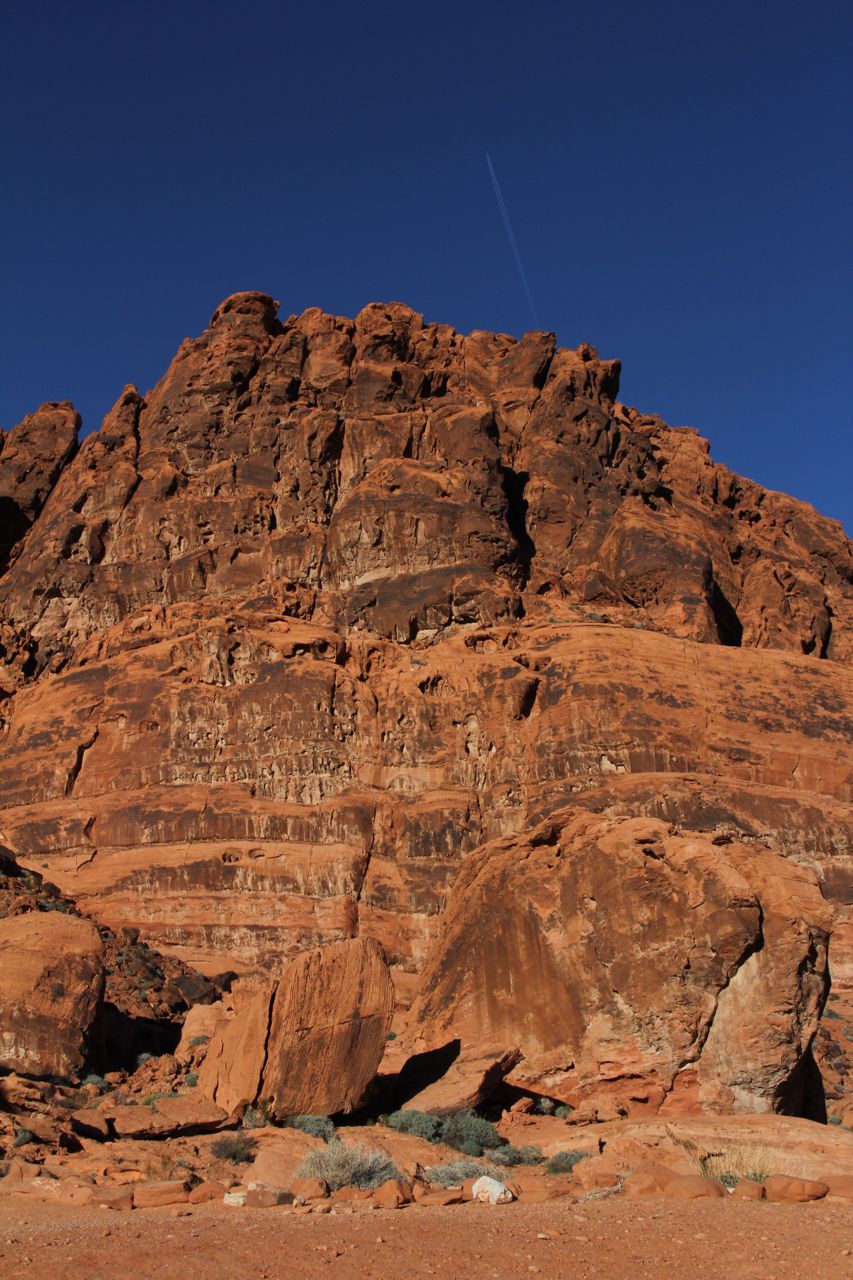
(637, 966)
(310, 1042)
(51, 982)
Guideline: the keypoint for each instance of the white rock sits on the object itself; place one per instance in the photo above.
(490, 1191)
(235, 1197)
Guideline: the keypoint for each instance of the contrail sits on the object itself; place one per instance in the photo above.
(512, 240)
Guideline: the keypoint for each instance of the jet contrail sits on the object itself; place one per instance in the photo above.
(512, 240)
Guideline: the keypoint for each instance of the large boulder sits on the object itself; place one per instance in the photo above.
(310, 1042)
(634, 966)
(51, 981)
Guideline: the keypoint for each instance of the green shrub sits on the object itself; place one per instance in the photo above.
(342, 1166)
(831, 1013)
(564, 1161)
(392, 1035)
(753, 1176)
(316, 1126)
(23, 1137)
(545, 1106)
(418, 1123)
(469, 1133)
(564, 1111)
(728, 1179)
(455, 1172)
(197, 1040)
(161, 1093)
(508, 1157)
(235, 1147)
(142, 1058)
(833, 1119)
(93, 1079)
(191, 1079)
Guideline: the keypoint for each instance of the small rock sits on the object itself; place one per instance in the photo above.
(236, 1198)
(490, 1191)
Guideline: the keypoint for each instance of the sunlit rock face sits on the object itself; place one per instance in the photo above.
(294, 635)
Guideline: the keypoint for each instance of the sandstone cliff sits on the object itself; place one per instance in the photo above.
(296, 635)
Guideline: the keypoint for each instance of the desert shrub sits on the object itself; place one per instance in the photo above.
(23, 1137)
(563, 1111)
(93, 1079)
(342, 1166)
(728, 1179)
(392, 1035)
(508, 1157)
(545, 1106)
(257, 1116)
(418, 1123)
(142, 1058)
(469, 1133)
(833, 1119)
(197, 1040)
(455, 1172)
(316, 1126)
(191, 1079)
(235, 1147)
(831, 1013)
(160, 1093)
(564, 1161)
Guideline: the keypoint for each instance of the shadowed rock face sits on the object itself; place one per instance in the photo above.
(341, 601)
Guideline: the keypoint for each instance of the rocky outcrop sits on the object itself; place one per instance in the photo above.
(308, 1043)
(51, 980)
(32, 456)
(636, 967)
(340, 603)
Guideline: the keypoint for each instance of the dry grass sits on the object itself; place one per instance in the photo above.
(736, 1160)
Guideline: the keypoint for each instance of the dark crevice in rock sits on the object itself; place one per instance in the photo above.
(514, 484)
(728, 624)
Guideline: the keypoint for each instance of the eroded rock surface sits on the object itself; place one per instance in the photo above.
(51, 980)
(294, 636)
(310, 1042)
(636, 967)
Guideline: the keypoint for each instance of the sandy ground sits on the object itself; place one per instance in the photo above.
(605, 1240)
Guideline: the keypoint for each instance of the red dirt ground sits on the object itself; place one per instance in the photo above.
(610, 1239)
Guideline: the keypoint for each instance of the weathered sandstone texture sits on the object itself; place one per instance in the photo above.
(343, 610)
(51, 981)
(635, 967)
(310, 1042)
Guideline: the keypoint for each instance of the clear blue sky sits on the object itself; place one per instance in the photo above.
(679, 175)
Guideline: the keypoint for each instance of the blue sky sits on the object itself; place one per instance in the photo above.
(679, 178)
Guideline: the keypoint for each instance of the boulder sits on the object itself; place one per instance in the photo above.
(205, 1192)
(153, 1195)
(746, 1189)
(782, 1189)
(51, 982)
(490, 1191)
(692, 1186)
(309, 1043)
(309, 1188)
(393, 1194)
(106, 1197)
(636, 965)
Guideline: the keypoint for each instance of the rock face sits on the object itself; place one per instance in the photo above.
(340, 603)
(51, 980)
(636, 967)
(309, 1043)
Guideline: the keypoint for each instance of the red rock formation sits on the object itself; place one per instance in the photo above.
(309, 1042)
(341, 601)
(51, 980)
(635, 966)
